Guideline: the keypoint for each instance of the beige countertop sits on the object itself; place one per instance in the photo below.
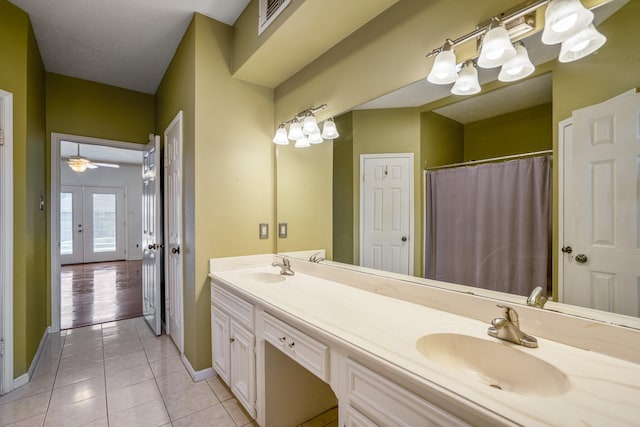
(603, 390)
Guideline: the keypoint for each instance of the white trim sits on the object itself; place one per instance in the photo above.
(54, 223)
(424, 223)
(363, 157)
(6, 243)
(564, 124)
(25, 378)
(200, 375)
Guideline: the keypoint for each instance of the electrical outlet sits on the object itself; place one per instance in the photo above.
(264, 231)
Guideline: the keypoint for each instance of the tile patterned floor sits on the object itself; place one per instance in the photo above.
(117, 374)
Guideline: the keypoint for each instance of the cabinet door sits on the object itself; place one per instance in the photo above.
(220, 343)
(356, 419)
(243, 365)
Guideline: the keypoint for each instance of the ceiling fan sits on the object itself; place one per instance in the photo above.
(80, 164)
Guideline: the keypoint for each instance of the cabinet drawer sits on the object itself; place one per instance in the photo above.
(308, 352)
(236, 307)
(386, 403)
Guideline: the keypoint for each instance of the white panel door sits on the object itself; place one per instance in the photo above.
(152, 236)
(173, 230)
(220, 344)
(243, 362)
(71, 232)
(602, 188)
(386, 212)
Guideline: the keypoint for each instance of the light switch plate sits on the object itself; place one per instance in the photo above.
(264, 231)
(282, 230)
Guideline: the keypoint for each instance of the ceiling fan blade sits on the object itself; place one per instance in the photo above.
(106, 165)
(92, 166)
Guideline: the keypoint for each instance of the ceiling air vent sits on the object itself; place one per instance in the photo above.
(269, 11)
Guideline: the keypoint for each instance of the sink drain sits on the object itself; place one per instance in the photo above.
(495, 386)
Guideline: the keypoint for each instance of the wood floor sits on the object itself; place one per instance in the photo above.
(100, 292)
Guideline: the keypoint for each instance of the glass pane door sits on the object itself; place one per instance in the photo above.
(66, 223)
(104, 223)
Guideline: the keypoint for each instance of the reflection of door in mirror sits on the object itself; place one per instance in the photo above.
(601, 207)
(386, 210)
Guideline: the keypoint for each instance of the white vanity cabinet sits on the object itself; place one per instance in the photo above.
(374, 400)
(233, 345)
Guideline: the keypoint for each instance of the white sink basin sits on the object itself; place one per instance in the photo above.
(264, 277)
(496, 364)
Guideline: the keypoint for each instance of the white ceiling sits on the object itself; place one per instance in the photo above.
(124, 43)
(100, 153)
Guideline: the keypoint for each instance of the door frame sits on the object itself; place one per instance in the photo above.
(409, 156)
(6, 243)
(54, 205)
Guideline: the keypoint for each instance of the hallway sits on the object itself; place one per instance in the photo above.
(100, 292)
(117, 374)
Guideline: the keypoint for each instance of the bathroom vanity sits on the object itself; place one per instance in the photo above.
(389, 361)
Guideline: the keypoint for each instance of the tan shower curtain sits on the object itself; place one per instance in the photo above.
(488, 226)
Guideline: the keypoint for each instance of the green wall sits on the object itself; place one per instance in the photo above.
(22, 74)
(85, 108)
(522, 131)
(343, 165)
(441, 140)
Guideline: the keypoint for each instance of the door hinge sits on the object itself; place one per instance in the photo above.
(1, 137)
(2, 347)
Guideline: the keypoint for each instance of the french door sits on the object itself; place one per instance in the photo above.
(92, 224)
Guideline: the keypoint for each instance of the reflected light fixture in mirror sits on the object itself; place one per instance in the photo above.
(467, 83)
(496, 47)
(304, 129)
(567, 22)
(518, 67)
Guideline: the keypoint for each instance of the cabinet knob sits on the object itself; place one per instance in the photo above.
(282, 339)
(231, 339)
(292, 345)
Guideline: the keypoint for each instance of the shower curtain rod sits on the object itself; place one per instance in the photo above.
(495, 159)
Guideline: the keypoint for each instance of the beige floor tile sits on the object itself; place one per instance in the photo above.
(80, 359)
(78, 391)
(150, 414)
(101, 422)
(152, 341)
(219, 388)
(127, 377)
(78, 413)
(213, 416)
(163, 350)
(20, 410)
(37, 421)
(79, 373)
(125, 361)
(37, 385)
(237, 412)
(187, 400)
(133, 395)
(122, 349)
(167, 366)
(174, 381)
(251, 424)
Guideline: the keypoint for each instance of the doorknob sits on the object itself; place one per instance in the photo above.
(581, 258)
(404, 238)
(175, 250)
(567, 249)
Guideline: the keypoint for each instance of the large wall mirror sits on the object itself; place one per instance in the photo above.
(319, 188)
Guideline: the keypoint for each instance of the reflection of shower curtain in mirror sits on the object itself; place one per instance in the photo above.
(488, 225)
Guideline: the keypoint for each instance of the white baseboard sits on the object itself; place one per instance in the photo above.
(24, 378)
(197, 375)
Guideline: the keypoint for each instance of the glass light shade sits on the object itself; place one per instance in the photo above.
(310, 125)
(467, 83)
(582, 44)
(517, 68)
(78, 164)
(281, 136)
(444, 69)
(496, 48)
(329, 130)
(315, 138)
(564, 19)
(302, 142)
(295, 131)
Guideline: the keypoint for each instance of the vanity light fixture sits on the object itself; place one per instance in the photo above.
(467, 83)
(445, 67)
(567, 22)
(582, 44)
(304, 129)
(518, 67)
(564, 19)
(496, 46)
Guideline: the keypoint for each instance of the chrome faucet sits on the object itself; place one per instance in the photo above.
(317, 257)
(536, 299)
(508, 328)
(285, 267)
